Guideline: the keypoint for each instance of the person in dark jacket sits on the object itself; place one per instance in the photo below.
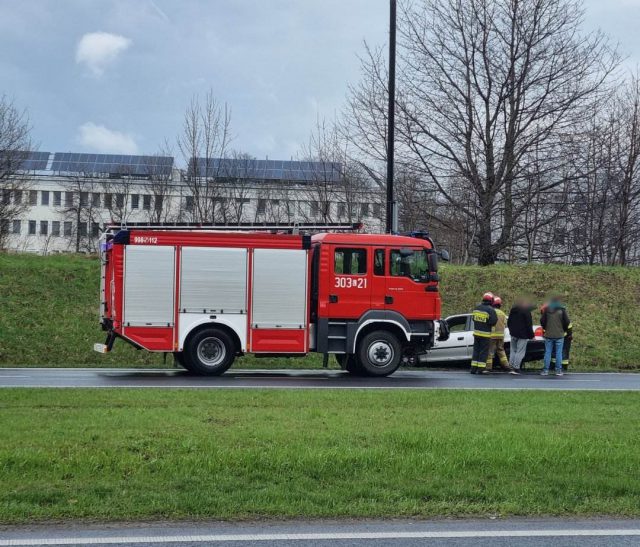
(520, 325)
(566, 345)
(555, 322)
(484, 319)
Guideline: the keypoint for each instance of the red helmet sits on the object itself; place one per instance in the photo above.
(497, 301)
(488, 297)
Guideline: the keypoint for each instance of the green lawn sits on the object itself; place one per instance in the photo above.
(152, 454)
(49, 311)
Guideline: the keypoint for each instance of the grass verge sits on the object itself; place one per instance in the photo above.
(49, 311)
(174, 454)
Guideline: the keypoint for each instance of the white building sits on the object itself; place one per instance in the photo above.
(62, 200)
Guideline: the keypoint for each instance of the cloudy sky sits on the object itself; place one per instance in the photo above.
(114, 76)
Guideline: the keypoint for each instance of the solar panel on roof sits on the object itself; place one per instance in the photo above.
(112, 164)
(35, 161)
(294, 171)
(25, 160)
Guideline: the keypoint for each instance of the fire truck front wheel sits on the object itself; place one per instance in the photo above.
(379, 353)
(209, 352)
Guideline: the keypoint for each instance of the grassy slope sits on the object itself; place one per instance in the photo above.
(603, 302)
(139, 454)
(48, 310)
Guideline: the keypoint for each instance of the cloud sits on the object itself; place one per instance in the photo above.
(97, 50)
(104, 140)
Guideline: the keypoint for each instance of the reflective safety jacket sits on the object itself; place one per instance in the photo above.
(498, 329)
(484, 319)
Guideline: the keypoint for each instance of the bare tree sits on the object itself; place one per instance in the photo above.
(627, 195)
(15, 143)
(340, 187)
(487, 92)
(80, 209)
(205, 138)
(159, 183)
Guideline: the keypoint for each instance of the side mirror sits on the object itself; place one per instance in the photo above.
(444, 255)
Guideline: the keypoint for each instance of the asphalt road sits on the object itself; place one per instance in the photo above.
(450, 533)
(310, 379)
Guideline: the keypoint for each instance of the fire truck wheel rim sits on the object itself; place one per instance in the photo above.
(380, 353)
(211, 351)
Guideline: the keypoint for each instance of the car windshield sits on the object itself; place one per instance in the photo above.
(410, 263)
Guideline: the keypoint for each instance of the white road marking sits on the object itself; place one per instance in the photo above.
(328, 536)
(319, 387)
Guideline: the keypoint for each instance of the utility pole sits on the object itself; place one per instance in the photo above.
(392, 213)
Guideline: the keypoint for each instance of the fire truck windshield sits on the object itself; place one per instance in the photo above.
(412, 263)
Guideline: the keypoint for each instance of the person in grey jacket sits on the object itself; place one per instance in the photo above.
(555, 322)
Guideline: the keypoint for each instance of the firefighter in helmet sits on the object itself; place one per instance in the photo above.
(484, 319)
(496, 346)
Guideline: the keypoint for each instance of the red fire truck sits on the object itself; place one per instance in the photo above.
(208, 296)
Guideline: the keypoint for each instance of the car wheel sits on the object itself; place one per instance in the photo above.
(209, 352)
(379, 353)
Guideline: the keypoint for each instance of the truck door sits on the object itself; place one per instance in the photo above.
(350, 286)
(407, 283)
(379, 278)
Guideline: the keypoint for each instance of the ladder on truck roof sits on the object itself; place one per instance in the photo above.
(280, 227)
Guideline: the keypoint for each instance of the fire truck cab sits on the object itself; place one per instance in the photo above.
(209, 296)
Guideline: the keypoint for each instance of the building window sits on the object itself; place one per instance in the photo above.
(44, 228)
(377, 210)
(84, 199)
(342, 210)
(350, 261)
(108, 201)
(146, 202)
(135, 201)
(95, 200)
(119, 201)
(158, 203)
(68, 228)
(82, 229)
(364, 210)
(33, 197)
(95, 229)
(44, 198)
(262, 206)
(188, 203)
(315, 209)
(68, 199)
(55, 228)
(32, 227)
(17, 226)
(57, 199)
(17, 197)
(6, 196)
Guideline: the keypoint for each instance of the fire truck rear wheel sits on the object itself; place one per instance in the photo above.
(209, 352)
(379, 353)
